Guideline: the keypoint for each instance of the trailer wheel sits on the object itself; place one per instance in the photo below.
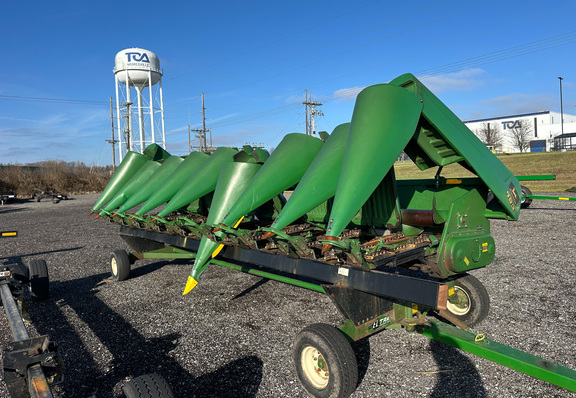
(148, 386)
(470, 302)
(325, 362)
(526, 201)
(39, 281)
(120, 265)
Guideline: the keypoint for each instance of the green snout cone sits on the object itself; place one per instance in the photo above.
(383, 122)
(132, 186)
(150, 186)
(320, 181)
(234, 178)
(167, 189)
(129, 166)
(202, 182)
(284, 168)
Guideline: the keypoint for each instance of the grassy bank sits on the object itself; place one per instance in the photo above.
(74, 177)
(561, 164)
(64, 177)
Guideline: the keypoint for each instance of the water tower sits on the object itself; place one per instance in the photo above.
(140, 69)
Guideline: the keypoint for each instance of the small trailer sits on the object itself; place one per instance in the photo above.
(31, 366)
(389, 253)
(55, 196)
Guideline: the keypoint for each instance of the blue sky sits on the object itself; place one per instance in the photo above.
(254, 59)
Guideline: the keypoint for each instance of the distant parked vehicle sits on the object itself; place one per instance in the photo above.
(7, 197)
(55, 196)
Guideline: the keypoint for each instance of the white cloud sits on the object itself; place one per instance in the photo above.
(464, 80)
(347, 94)
(517, 103)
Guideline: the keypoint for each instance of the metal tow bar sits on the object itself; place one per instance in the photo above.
(38, 385)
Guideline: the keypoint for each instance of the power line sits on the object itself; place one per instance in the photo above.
(511, 52)
(45, 99)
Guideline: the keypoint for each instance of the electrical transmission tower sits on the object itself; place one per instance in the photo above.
(311, 112)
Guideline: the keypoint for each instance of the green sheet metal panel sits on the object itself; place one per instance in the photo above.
(320, 181)
(202, 182)
(132, 186)
(129, 166)
(233, 180)
(166, 189)
(156, 152)
(284, 168)
(150, 186)
(476, 156)
(384, 120)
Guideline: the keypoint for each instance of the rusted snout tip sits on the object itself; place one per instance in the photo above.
(218, 229)
(327, 246)
(97, 217)
(267, 235)
(91, 212)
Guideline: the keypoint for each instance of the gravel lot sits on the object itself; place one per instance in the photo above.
(232, 336)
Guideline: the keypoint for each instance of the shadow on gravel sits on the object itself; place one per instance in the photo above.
(238, 379)
(458, 376)
(18, 259)
(75, 315)
(6, 209)
(362, 352)
(250, 289)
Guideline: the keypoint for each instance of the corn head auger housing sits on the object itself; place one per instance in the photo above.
(388, 252)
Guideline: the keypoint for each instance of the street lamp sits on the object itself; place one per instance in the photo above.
(561, 111)
(561, 107)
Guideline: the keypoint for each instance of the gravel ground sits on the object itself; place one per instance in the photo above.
(232, 336)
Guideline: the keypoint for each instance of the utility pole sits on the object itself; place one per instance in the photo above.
(311, 112)
(203, 121)
(201, 133)
(128, 131)
(189, 142)
(112, 141)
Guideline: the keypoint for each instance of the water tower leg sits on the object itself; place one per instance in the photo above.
(151, 109)
(140, 118)
(162, 114)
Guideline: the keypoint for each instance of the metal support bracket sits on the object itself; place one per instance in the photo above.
(20, 356)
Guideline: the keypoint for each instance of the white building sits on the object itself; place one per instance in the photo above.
(542, 126)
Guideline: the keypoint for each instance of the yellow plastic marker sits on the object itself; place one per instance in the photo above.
(218, 250)
(190, 284)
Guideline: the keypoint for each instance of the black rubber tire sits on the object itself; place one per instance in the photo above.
(148, 386)
(39, 280)
(325, 347)
(475, 306)
(120, 265)
(524, 204)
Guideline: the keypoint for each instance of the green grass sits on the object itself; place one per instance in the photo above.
(561, 164)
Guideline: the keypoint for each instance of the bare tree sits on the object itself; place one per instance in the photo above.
(520, 136)
(490, 135)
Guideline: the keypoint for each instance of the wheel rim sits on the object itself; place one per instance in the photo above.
(114, 266)
(314, 367)
(459, 304)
